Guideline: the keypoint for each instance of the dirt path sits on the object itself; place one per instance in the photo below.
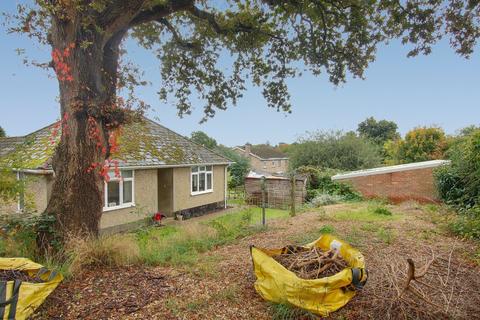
(221, 285)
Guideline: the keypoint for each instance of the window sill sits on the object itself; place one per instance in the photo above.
(123, 206)
(200, 192)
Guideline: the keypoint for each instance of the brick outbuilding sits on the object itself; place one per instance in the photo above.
(413, 181)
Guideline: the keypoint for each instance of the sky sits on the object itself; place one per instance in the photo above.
(440, 89)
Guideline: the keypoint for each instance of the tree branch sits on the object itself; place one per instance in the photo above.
(210, 18)
(160, 11)
(176, 36)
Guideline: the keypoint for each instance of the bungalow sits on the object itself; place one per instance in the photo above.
(160, 171)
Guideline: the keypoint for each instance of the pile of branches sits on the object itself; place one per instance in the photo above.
(12, 275)
(312, 264)
(430, 289)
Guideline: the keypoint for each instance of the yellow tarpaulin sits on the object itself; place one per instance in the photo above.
(321, 296)
(18, 300)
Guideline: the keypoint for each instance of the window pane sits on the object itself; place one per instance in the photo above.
(113, 197)
(127, 191)
(202, 168)
(209, 168)
(209, 181)
(194, 169)
(195, 183)
(127, 173)
(202, 182)
(111, 175)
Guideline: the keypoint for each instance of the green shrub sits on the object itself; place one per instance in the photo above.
(467, 224)
(459, 183)
(324, 199)
(319, 182)
(335, 149)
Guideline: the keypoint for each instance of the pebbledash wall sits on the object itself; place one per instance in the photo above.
(413, 181)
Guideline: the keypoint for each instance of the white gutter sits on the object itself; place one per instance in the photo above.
(391, 169)
(156, 166)
(35, 171)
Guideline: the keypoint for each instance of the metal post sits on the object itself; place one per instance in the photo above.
(263, 200)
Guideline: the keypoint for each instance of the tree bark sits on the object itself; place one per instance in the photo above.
(87, 75)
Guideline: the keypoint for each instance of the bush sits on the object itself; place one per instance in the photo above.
(336, 149)
(420, 144)
(466, 226)
(18, 234)
(459, 183)
(238, 170)
(324, 199)
(320, 182)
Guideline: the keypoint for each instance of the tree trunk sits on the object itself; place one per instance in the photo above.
(85, 62)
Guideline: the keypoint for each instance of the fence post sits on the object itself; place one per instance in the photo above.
(292, 194)
(263, 201)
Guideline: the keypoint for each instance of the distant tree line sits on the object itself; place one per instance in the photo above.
(375, 143)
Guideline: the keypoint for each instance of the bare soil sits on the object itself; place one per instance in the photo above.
(221, 285)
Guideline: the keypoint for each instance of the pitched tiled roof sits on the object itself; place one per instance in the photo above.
(144, 143)
(266, 151)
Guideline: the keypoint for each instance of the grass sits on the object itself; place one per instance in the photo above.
(311, 236)
(368, 214)
(179, 245)
(287, 312)
(354, 237)
(182, 245)
(237, 202)
(386, 235)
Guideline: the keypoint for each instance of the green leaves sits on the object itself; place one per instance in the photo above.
(212, 48)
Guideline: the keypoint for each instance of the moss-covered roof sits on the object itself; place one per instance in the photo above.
(266, 151)
(143, 143)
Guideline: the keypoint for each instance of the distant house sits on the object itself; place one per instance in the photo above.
(412, 181)
(264, 158)
(160, 171)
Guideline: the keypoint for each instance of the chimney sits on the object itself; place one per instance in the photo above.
(248, 148)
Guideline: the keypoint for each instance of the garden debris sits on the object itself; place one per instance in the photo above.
(98, 292)
(312, 264)
(432, 291)
(12, 275)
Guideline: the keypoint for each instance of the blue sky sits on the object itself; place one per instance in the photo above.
(440, 89)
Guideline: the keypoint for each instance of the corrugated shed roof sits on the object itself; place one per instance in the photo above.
(390, 169)
(141, 144)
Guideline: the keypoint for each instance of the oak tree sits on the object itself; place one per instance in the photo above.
(208, 48)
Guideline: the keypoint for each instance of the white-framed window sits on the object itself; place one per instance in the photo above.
(119, 192)
(273, 163)
(201, 179)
